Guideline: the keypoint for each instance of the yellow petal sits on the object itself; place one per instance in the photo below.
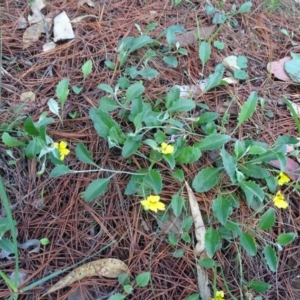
(63, 145)
(153, 198)
(160, 206)
(281, 204)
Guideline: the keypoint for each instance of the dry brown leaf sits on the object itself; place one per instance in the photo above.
(230, 62)
(88, 2)
(49, 46)
(62, 28)
(191, 37)
(202, 276)
(107, 267)
(32, 33)
(27, 97)
(22, 23)
(79, 19)
(277, 69)
(36, 7)
(198, 222)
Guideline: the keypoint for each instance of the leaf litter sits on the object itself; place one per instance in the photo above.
(106, 267)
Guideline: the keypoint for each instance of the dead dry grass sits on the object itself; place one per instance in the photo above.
(53, 208)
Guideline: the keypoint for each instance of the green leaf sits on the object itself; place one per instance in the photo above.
(292, 67)
(59, 171)
(140, 42)
(186, 237)
(53, 107)
(178, 253)
(105, 87)
(182, 105)
(34, 147)
(151, 26)
(30, 128)
(10, 141)
(117, 296)
(148, 73)
(62, 91)
(153, 179)
(143, 279)
(207, 117)
(135, 183)
(215, 78)
(233, 227)
(107, 104)
(248, 243)
(170, 33)
(229, 163)
(77, 90)
(254, 171)
(204, 52)
(207, 263)
(206, 179)
(87, 68)
(171, 60)
(193, 297)
(242, 62)
(173, 240)
(187, 223)
(172, 96)
(124, 279)
(134, 91)
(267, 220)
(227, 234)
(111, 65)
(271, 258)
(222, 208)
(182, 51)
(271, 183)
(177, 204)
(169, 158)
(265, 157)
(189, 155)
(178, 174)
(213, 141)
(252, 189)
(240, 74)
(123, 82)
(286, 238)
(245, 7)
(95, 189)
(212, 241)
(6, 245)
(239, 149)
(103, 124)
(83, 154)
(219, 45)
(44, 241)
(259, 286)
(248, 108)
(219, 17)
(128, 288)
(131, 144)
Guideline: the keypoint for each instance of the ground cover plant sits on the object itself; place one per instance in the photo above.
(153, 160)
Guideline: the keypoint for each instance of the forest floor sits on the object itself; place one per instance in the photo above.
(115, 225)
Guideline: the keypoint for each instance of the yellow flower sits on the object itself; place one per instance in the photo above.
(283, 178)
(62, 149)
(219, 296)
(166, 149)
(152, 202)
(279, 201)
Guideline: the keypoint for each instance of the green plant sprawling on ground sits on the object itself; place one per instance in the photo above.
(169, 133)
